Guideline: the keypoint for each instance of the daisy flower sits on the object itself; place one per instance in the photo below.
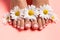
(53, 17)
(6, 18)
(45, 11)
(16, 13)
(31, 12)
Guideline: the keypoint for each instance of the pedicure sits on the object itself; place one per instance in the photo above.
(27, 26)
(31, 13)
(21, 28)
(35, 27)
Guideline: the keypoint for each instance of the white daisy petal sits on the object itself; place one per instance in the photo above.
(31, 12)
(16, 13)
(4, 21)
(45, 11)
(6, 18)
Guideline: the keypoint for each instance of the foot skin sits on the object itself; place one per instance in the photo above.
(37, 3)
(41, 22)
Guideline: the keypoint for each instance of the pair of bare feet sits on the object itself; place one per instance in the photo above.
(39, 23)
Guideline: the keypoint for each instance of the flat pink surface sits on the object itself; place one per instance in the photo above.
(51, 32)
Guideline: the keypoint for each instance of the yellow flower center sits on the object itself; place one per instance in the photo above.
(17, 13)
(8, 18)
(45, 11)
(53, 17)
(31, 12)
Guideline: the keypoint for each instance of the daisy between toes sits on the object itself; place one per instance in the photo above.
(31, 13)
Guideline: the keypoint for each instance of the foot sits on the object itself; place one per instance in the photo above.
(21, 4)
(41, 21)
(30, 20)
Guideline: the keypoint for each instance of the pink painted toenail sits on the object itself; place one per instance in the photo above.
(18, 26)
(22, 28)
(35, 27)
(10, 22)
(49, 21)
(40, 28)
(27, 25)
(14, 26)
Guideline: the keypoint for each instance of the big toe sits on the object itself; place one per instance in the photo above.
(34, 24)
(27, 24)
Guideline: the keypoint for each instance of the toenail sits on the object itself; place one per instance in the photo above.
(27, 25)
(10, 22)
(18, 26)
(44, 25)
(35, 25)
(14, 26)
(41, 27)
(21, 27)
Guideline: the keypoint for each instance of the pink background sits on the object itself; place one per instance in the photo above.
(51, 32)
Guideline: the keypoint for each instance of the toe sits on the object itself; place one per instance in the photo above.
(50, 21)
(14, 23)
(22, 24)
(46, 22)
(43, 22)
(18, 24)
(10, 21)
(40, 24)
(27, 24)
(34, 25)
